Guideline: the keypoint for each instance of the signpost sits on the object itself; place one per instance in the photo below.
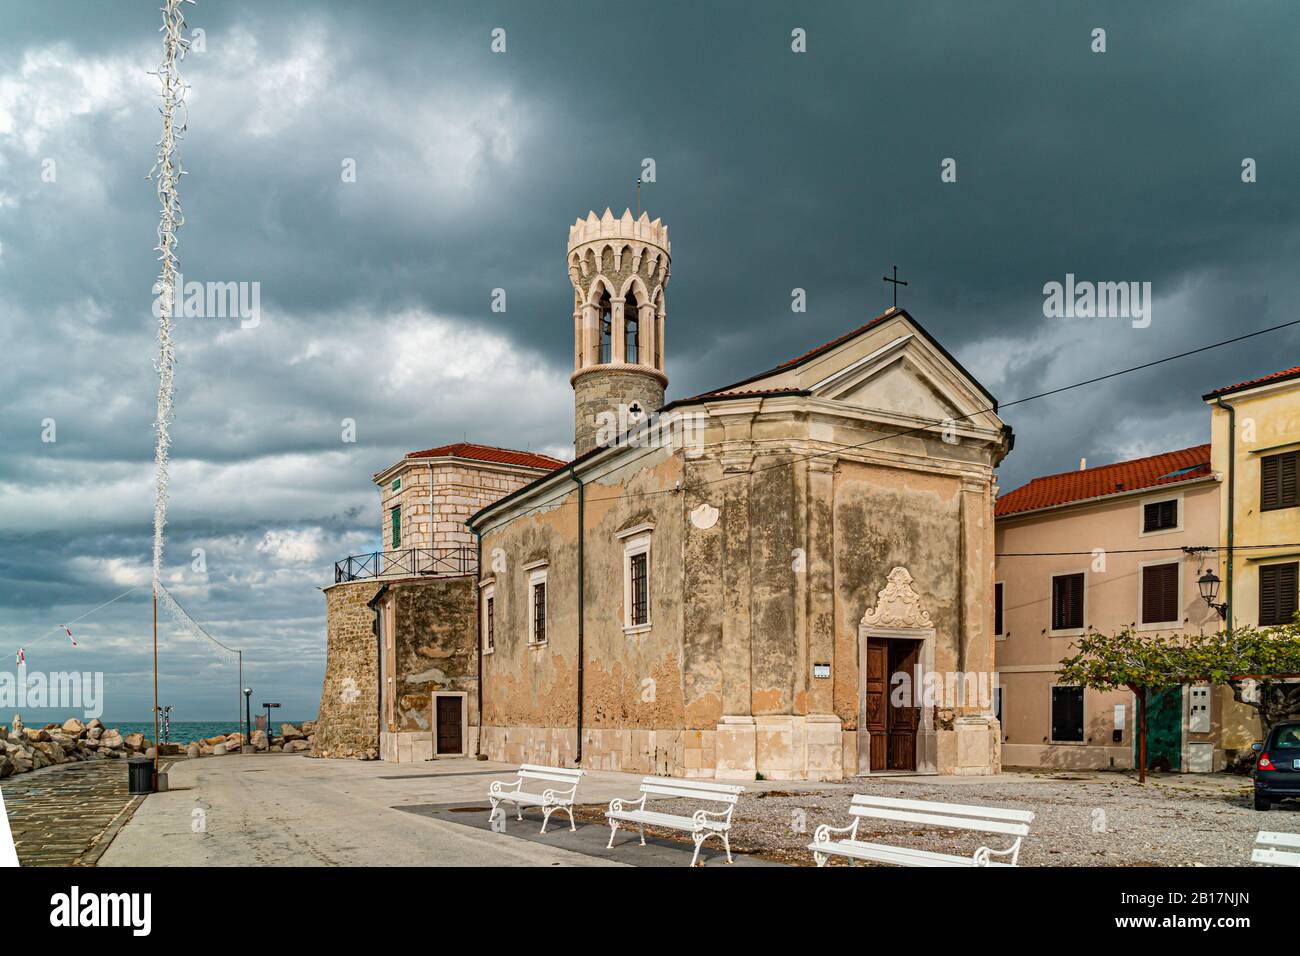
(268, 723)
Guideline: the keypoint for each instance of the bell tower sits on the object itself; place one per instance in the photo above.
(618, 268)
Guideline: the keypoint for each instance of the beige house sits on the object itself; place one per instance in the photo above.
(1101, 549)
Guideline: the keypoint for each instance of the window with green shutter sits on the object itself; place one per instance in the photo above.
(397, 528)
(1278, 592)
(396, 485)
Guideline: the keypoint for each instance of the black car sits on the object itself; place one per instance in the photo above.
(1277, 771)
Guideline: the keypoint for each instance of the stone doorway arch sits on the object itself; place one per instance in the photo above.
(897, 616)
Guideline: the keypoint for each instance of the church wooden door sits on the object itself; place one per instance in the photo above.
(903, 720)
(449, 718)
(877, 701)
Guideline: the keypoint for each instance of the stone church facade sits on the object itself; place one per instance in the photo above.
(760, 579)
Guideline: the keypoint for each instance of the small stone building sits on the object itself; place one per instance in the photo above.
(766, 578)
(401, 678)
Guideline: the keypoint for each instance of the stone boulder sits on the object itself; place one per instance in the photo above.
(308, 727)
(73, 727)
(34, 735)
(290, 732)
(133, 741)
(16, 728)
(171, 750)
(294, 746)
(258, 739)
(276, 748)
(219, 750)
(111, 739)
(7, 767)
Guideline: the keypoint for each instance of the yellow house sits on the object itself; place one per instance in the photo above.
(1255, 446)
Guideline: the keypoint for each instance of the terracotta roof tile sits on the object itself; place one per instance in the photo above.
(1050, 491)
(1241, 386)
(502, 456)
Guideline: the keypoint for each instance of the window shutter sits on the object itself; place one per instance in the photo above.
(997, 609)
(1149, 518)
(1076, 601)
(1160, 593)
(1067, 602)
(1278, 593)
(1287, 487)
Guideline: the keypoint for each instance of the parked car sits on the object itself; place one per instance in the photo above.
(1277, 771)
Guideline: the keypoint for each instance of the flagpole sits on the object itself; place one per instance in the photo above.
(156, 748)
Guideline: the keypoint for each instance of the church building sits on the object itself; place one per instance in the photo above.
(785, 576)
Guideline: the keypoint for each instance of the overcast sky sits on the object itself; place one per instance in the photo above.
(774, 170)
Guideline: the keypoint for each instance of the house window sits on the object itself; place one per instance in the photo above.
(537, 607)
(1067, 602)
(1067, 714)
(1160, 593)
(396, 485)
(1277, 480)
(997, 608)
(489, 621)
(1160, 515)
(397, 528)
(1277, 592)
(631, 332)
(606, 330)
(636, 578)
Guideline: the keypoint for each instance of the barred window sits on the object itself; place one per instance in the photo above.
(539, 612)
(489, 626)
(640, 589)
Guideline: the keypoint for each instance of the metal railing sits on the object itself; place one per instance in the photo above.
(411, 562)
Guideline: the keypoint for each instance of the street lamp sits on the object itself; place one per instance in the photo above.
(248, 719)
(1209, 585)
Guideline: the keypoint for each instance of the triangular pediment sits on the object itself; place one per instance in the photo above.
(898, 386)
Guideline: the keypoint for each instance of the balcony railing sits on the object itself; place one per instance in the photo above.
(413, 562)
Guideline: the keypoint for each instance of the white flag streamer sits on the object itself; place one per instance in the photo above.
(167, 172)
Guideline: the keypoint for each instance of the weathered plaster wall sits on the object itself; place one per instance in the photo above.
(434, 648)
(348, 724)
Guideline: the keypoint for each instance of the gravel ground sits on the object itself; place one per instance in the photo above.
(1102, 819)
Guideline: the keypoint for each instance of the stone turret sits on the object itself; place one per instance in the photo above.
(618, 267)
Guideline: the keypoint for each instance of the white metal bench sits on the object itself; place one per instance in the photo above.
(927, 813)
(549, 800)
(1278, 849)
(700, 824)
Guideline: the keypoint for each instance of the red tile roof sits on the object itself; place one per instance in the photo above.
(1242, 386)
(503, 456)
(1050, 491)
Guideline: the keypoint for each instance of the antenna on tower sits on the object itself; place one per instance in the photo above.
(638, 198)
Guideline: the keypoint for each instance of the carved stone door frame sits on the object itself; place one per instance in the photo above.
(898, 615)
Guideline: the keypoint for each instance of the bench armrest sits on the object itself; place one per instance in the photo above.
(553, 795)
(618, 805)
(982, 855)
(701, 816)
(500, 786)
(823, 832)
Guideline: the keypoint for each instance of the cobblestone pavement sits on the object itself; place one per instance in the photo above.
(66, 815)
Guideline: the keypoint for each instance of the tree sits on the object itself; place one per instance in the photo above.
(1268, 656)
(1144, 662)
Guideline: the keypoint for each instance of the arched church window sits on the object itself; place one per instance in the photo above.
(631, 331)
(606, 329)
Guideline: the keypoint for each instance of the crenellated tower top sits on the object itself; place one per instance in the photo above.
(619, 267)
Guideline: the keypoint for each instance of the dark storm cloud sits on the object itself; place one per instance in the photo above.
(775, 171)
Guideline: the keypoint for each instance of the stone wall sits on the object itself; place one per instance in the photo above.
(460, 488)
(609, 388)
(348, 722)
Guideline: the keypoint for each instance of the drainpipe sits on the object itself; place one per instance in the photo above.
(376, 626)
(1232, 511)
(478, 632)
(581, 606)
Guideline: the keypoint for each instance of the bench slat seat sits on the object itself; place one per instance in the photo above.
(1276, 849)
(928, 813)
(550, 799)
(714, 819)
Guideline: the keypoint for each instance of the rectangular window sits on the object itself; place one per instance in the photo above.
(1067, 714)
(1277, 479)
(1277, 592)
(997, 608)
(539, 613)
(397, 528)
(1160, 593)
(640, 589)
(397, 484)
(489, 624)
(1067, 602)
(1159, 515)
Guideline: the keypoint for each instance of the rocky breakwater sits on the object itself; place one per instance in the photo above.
(25, 748)
(291, 739)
